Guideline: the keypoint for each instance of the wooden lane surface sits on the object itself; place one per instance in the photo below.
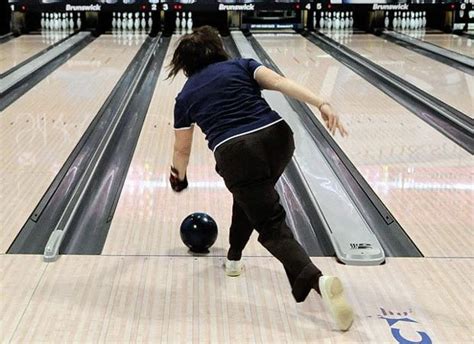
(149, 213)
(459, 44)
(39, 130)
(448, 84)
(21, 48)
(89, 299)
(423, 178)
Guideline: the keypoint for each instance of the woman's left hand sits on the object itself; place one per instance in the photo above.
(176, 184)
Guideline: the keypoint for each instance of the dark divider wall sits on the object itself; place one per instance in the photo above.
(5, 17)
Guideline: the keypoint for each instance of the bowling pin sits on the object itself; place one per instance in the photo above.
(314, 20)
(177, 22)
(189, 23)
(423, 20)
(124, 21)
(386, 22)
(136, 24)
(343, 20)
(183, 21)
(143, 21)
(337, 22)
(71, 21)
(150, 20)
(351, 20)
(42, 20)
(114, 20)
(64, 22)
(329, 21)
(118, 24)
(79, 21)
(130, 21)
(321, 20)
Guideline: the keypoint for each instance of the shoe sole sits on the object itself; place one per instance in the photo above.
(232, 273)
(332, 293)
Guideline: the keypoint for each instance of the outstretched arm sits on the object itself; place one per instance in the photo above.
(268, 79)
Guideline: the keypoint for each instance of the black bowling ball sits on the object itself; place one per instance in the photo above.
(198, 232)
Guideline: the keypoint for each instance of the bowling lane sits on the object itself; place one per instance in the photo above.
(423, 178)
(19, 49)
(459, 44)
(438, 79)
(149, 213)
(39, 130)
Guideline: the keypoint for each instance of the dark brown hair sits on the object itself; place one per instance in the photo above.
(196, 51)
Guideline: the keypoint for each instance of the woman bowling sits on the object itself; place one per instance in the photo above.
(252, 146)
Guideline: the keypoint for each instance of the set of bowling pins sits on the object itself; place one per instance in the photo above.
(60, 21)
(406, 20)
(184, 23)
(130, 21)
(334, 20)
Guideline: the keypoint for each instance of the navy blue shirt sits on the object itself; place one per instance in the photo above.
(225, 101)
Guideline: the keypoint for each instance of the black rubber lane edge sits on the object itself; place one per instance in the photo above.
(465, 34)
(445, 56)
(26, 84)
(6, 37)
(31, 58)
(452, 123)
(392, 237)
(35, 233)
(314, 240)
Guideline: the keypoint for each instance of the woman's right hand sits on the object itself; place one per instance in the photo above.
(332, 121)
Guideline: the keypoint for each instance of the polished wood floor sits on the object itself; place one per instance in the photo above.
(147, 288)
(118, 299)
